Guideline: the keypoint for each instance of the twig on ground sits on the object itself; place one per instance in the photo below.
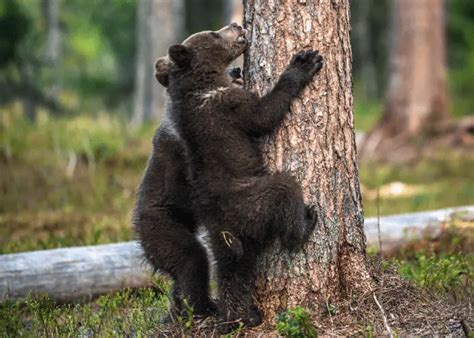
(385, 322)
(378, 221)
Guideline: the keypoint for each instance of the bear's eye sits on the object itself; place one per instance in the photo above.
(215, 35)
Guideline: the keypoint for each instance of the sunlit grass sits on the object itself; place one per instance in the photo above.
(444, 181)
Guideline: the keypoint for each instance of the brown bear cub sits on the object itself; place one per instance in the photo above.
(164, 218)
(243, 207)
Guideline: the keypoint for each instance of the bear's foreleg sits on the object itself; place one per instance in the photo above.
(263, 115)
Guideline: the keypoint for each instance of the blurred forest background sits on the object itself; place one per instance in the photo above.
(79, 105)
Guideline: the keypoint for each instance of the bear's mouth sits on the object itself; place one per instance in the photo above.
(242, 38)
(235, 32)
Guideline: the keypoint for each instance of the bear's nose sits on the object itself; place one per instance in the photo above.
(235, 25)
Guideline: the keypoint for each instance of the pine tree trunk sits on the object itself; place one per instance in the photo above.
(159, 25)
(417, 97)
(317, 145)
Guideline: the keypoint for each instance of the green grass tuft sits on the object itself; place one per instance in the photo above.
(296, 323)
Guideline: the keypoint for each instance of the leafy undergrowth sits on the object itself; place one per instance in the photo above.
(398, 304)
(444, 265)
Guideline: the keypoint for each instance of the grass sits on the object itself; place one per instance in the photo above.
(71, 181)
(68, 181)
(367, 113)
(127, 313)
(451, 274)
(444, 181)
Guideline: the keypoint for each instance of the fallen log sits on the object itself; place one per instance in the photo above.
(83, 272)
(73, 273)
(398, 229)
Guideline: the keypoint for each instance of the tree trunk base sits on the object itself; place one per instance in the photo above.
(394, 304)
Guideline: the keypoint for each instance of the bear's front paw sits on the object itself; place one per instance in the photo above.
(303, 66)
(309, 62)
(235, 73)
(236, 76)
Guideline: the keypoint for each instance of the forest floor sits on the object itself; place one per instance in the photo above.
(71, 181)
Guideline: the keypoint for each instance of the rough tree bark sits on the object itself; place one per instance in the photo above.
(317, 145)
(417, 97)
(159, 25)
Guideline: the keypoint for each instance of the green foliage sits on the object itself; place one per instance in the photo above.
(460, 54)
(14, 26)
(100, 51)
(126, 313)
(367, 112)
(460, 14)
(186, 321)
(97, 49)
(435, 180)
(296, 323)
(442, 274)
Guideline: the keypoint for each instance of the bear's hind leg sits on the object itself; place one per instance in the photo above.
(192, 279)
(274, 207)
(173, 248)
(236, 283)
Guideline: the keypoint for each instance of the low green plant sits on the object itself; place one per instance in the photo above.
(186, 320)
(296, 323)
(442, 274)
(236, 331)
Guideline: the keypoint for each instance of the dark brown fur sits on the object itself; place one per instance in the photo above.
(228, 189)
(164, 218)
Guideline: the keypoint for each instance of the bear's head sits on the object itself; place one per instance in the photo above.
(215, 49)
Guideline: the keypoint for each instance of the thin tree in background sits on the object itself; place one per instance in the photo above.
(159, 25)
(52, 48)
(362, 40)
(317, 145)
(417, 96)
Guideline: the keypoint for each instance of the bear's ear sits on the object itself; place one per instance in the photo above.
(180, 55)
(162, 70)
